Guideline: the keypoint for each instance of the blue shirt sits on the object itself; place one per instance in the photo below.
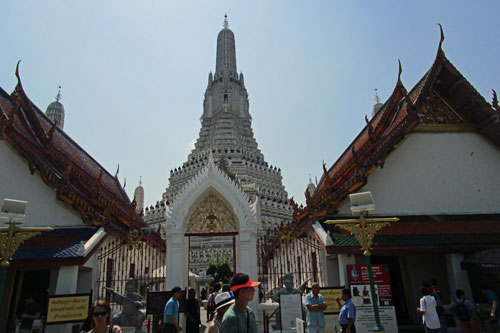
(172, 309)
(492, 296)
(347, 311)
(315, 318)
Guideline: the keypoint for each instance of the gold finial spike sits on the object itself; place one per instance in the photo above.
(226, 24)
(377, 99)
(58, 97)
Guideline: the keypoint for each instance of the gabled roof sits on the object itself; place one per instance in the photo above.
(79, 180)
(56, 247)
(417, 234)
(442, 100)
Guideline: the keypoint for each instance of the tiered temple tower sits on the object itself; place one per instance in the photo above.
(226, 133)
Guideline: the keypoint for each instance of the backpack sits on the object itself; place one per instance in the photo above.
(462, 311)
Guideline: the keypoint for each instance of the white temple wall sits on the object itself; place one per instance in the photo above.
(436, 173)
(16, 182)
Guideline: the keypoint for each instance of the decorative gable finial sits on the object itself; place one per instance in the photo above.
(399, 72)
(117, 170)
(495, 101)
(377, 99)
(226, 24)
(441, 40)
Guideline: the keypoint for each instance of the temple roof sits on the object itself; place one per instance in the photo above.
(58, 244)
(79, 180)
(401, 114)
(417, 234)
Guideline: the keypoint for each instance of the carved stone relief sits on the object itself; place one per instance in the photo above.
(211, 215)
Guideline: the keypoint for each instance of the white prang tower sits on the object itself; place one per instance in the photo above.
(226, 133)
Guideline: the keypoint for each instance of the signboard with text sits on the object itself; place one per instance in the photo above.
(68, 308)
(360, 284)
(291, 309)
(365, 319)
(330, 294)
(358, 274)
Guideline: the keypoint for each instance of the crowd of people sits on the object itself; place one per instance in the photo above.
(228, 310)
(433, 310)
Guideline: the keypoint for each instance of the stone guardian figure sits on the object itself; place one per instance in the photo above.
(132, 302)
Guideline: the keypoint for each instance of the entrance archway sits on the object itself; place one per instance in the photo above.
(191, 211)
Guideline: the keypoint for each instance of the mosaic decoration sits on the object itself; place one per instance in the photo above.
(211, 215)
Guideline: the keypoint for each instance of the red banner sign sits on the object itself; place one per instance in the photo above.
(358, 274)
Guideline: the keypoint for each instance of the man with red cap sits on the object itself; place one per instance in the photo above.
(240, 318)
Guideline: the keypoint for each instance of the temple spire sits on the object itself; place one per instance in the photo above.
(226, 53)
(58, 97)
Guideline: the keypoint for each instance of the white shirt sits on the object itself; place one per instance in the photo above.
(430, 317)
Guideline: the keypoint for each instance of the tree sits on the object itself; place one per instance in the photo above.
(219, 268)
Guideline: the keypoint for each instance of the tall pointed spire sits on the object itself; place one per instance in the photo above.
(226, 53)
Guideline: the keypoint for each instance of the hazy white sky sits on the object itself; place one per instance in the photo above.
(133, 73)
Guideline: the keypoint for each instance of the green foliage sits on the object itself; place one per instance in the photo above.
(220, 269)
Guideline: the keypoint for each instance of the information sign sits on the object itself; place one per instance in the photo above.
(68, 308)
(358, 274)
(365, 319)
(291, 309)
(330, 294)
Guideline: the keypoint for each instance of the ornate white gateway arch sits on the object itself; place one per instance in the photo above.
(211, 202)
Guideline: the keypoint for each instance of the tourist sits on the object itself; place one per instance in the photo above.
(222, 303)
(31, 311)
(192, 313)
(315, 304)
(100, 316)
(171, 313)
(428, 311)
(203, 294)
(239, 318)
(492, 299)
(434, 291)
(464, 309)
(347, 315)
(211, 300)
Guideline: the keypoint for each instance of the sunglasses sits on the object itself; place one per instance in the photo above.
(99, 314)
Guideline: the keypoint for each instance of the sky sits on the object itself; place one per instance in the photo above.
(133, 73)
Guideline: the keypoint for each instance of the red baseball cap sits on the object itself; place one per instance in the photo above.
(248, 284)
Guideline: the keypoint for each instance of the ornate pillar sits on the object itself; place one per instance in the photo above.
(457, 277)
(176, 261)
(67, 279)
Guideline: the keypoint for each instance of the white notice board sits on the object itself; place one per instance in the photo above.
(291, 309)
(365, 319)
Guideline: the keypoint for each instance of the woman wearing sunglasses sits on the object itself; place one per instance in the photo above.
(100, 313)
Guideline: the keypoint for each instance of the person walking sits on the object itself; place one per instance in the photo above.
(347, 315)
(222, 303)
(428, 311)
(464, 309)
(492, 299)
(315, 304)
(239, 318)
(192, 313)
(171, 313)
(100, 316)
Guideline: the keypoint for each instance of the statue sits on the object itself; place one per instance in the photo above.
(288, 290)
(132, 302)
